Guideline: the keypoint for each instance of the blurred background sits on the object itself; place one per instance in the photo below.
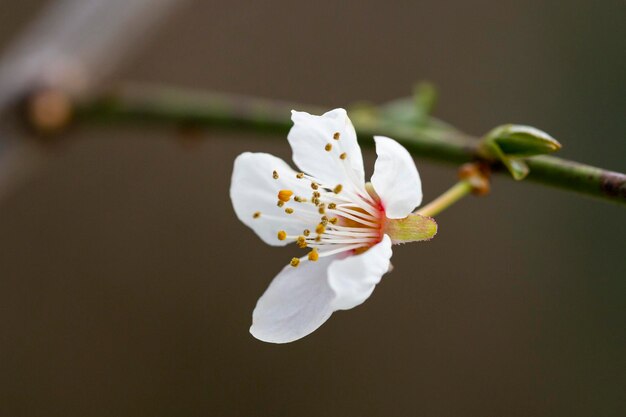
(127, 284)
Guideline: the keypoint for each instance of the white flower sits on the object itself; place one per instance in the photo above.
(347, 226)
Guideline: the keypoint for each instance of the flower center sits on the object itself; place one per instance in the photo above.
(340, 219)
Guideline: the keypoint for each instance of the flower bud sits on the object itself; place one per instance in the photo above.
(509, 143)
(523, 141)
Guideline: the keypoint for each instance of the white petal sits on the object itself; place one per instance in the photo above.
(253, 189)
(353, 279)
(297, 302)
(308, 138)
(396, 179)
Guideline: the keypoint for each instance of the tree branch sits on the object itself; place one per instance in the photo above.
(138, 104)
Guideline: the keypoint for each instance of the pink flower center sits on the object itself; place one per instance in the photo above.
(341, 219)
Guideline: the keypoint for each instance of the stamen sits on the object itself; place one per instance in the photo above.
(328, 147)
(256, 215)
(359, 219)
(362, 204)
(341, 249)
(348, 241)
(285, 195)
(330, 206)
(343, 156)
(337, 229)
(352, 232)
(336, 136)
(361, 214)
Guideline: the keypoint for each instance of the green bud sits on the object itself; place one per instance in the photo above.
(522, 141)
(412, 228)
(509, 143)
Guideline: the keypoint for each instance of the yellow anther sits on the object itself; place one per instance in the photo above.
(336, 136)
(301, 242)
(343, 156)
(280, 203)
(275, 175)
(321, 228)
(315, 201)
(300, 175)
(338, 189)
(256, 215)
(289, 210)
(306, 232)
(313, 255)
(295, 262)
(324, 220)
(314, 185)
(333, 220)
(318, 238)
(332, 206)
(328, 147)
(299, 199)
(285, 195)
(282, 235)
(322, 208)
(316, 194)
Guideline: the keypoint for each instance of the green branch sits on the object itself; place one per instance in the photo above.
(434, 140)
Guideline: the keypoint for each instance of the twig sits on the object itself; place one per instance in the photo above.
(173, 106)
(70, 47)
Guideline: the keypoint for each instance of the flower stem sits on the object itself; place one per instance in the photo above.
(445, 200)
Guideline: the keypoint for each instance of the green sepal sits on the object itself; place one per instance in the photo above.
(516, 167)
(413, 228)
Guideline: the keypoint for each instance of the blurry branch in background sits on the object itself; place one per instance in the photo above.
(64, 55)
(52, 74)
(505, 149)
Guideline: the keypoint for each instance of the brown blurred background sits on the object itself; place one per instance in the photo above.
(127, 284)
